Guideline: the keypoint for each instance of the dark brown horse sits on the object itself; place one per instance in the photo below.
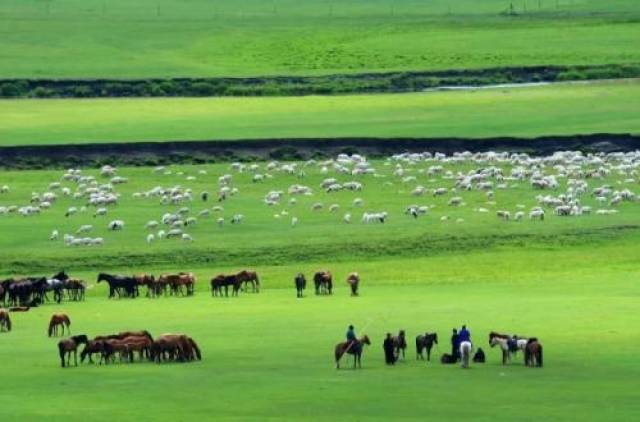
(533, 353)
(91, 348)
(301, 283)
(59, 320)
(245, 277)
(353, 280)
(147, 280)
(70, 345)
(425, 342)
(5, 320)
(400, 343)
(323, 281)
(355, 349)
(169, 347)
(221, 280)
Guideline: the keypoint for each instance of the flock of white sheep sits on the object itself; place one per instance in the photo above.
(560, 184)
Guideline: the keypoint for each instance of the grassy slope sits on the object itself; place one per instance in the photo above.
(119, 38)
(528, 112)
(269, 355)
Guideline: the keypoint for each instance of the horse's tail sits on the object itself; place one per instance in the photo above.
(540, 355)
(61, 351)
(66, 320)
(195, 348)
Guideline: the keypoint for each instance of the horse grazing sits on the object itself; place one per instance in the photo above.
(353, 280)
(533, 353)
(425, 342)
(245, 277)
(400, 343)
(174, 347)
(93, 347)
(122, 285)
(323, 281)
(506, 344)
(148, 281)
(301, 284)
(176, 281)
(113, 346)
(5, 320)
(69, 345)
(355, 349)
(221, 280)
(465, 352)
(59, 320)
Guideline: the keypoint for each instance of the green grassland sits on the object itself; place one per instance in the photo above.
(169, 38)
(570, 281)
(564, 109)
(268, 356)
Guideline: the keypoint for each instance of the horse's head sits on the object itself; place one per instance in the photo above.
(100, 277)
(62, 276)
(365, 340)
(435, 338)
(401, 334)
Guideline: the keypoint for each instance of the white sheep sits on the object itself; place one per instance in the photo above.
(150, 238)
(294, 221)
(85, 228)
(54, 235)
(116, 225)
(186, 237)
(347, 218)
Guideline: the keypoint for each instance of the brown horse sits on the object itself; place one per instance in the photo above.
(221, 280)
(400, 343)
(59, 320)
(323, 281)
(177, 281)
(140, 344)
(533, 353)
(93, 347)
(353, 280)
(5, 320)
(70, 345)
(167, 347)
(148, 281)
(113, 346)
(245, 277)
(355, 349)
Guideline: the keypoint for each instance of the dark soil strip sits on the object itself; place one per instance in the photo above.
(307, 85)
(200, 152)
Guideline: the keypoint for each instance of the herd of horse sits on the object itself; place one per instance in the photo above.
(34, 291)
(531, 348)
(124, 345)
(323, 283)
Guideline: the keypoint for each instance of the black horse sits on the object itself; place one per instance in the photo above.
(28, 291)
(301, 284)
(120, 284)
(423, 342)
(323, 281)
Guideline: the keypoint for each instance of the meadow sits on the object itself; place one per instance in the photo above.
(168, 38)
(559, 109)
(568, 280)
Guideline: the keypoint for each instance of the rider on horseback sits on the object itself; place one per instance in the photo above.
(351, 336)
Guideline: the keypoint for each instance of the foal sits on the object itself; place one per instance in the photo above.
(61, 320)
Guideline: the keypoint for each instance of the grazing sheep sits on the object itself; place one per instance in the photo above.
(294, 221)
(317, 206)
(519, 216)
(150, 238)
(376, 217)
(151, 224)
(86, 228)
(186, 237)
(54, 235)
(4, 189)
(503, 215)
(455, 201)
(173, 233)
(161, 234)
(220, 222)
(71, 211)
(115, 225)
(358, 202)
(334, 207)
(536, 214)
(237, 219)
(347, 218)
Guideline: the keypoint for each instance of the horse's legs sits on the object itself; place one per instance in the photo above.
(428, 354)
(75, 356)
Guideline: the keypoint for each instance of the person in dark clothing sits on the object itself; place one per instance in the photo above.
(479, 357)
(389, 350)
(455, 345)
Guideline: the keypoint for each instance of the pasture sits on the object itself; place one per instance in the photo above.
(559, 109)
(269, 355)
(169, 38)
(569, 280)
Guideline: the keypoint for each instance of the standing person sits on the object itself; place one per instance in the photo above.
(389, 350)
(464, 335)
(455, 345)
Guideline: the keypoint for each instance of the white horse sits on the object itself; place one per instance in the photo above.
(465, 352)
(504, 346)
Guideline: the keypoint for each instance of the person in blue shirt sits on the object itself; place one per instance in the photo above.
(464, 334)
(351, 334)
